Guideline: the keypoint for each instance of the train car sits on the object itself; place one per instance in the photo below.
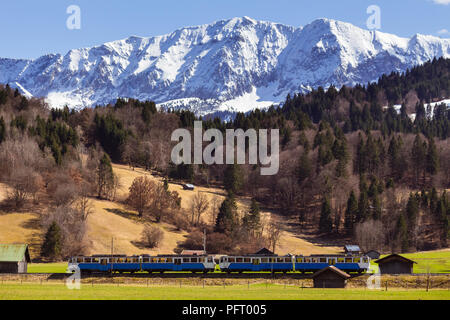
(106, 263)
(132, 264)
(184, 263)
(349, 263)
(256, 263)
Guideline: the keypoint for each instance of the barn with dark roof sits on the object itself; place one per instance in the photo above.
(395, 264)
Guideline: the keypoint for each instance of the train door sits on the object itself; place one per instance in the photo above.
(331, 261)
(177, 262)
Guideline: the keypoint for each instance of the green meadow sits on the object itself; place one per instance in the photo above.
(17, 291)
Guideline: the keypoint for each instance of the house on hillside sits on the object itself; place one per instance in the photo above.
(264, 251)
(395, 264)
(193, 252)
(14, 258)
(352, 249)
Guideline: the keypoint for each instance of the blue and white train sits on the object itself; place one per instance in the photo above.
(228, 264)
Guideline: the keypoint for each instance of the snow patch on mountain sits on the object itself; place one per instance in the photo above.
(230, 65)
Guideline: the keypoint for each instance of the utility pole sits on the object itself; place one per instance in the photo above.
(204, 241)
(112, 254)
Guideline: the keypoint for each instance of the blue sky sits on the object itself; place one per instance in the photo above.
(32, 28)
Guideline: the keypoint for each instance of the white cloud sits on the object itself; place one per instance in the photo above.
(445, 2)
(443, 31)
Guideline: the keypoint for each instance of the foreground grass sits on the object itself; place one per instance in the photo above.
(255, 292)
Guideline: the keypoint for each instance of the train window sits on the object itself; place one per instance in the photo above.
(366, 260)
(239, 259)
(79, 260)
(144, 259)
(265, 260)
(95, 260)
(210, 259)
(169, 260)
(299, 259)
(340, 260)
(232, 260)
(279, 259)
(308, 260)
(255, 261)
(348, 260)
(194, 260)
(246, 260)
(154, 260)
(287, 260)
(331, 261)
(322, 260)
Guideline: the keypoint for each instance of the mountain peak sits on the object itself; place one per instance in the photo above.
(229, 65)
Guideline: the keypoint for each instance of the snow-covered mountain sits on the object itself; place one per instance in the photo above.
(229, 65)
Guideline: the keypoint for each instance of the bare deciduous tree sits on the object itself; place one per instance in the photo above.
(274, 233)
(199, 205)
(141, 194)
(152, 236)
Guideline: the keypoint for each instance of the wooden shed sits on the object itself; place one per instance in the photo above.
(14, 258)
(330, 277)
(395, 264)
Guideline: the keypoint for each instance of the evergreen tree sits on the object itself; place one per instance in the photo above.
(2, 130)
(326, 222)
(226, 220)
(232, 179)
(402, 233)
(432, 158)
(51, 247)
(351, 212)
(105, 176)
(252, 220)
(412, 209)
(304, 168)
(418, 156)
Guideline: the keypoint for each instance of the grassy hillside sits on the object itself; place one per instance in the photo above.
(113, 222)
